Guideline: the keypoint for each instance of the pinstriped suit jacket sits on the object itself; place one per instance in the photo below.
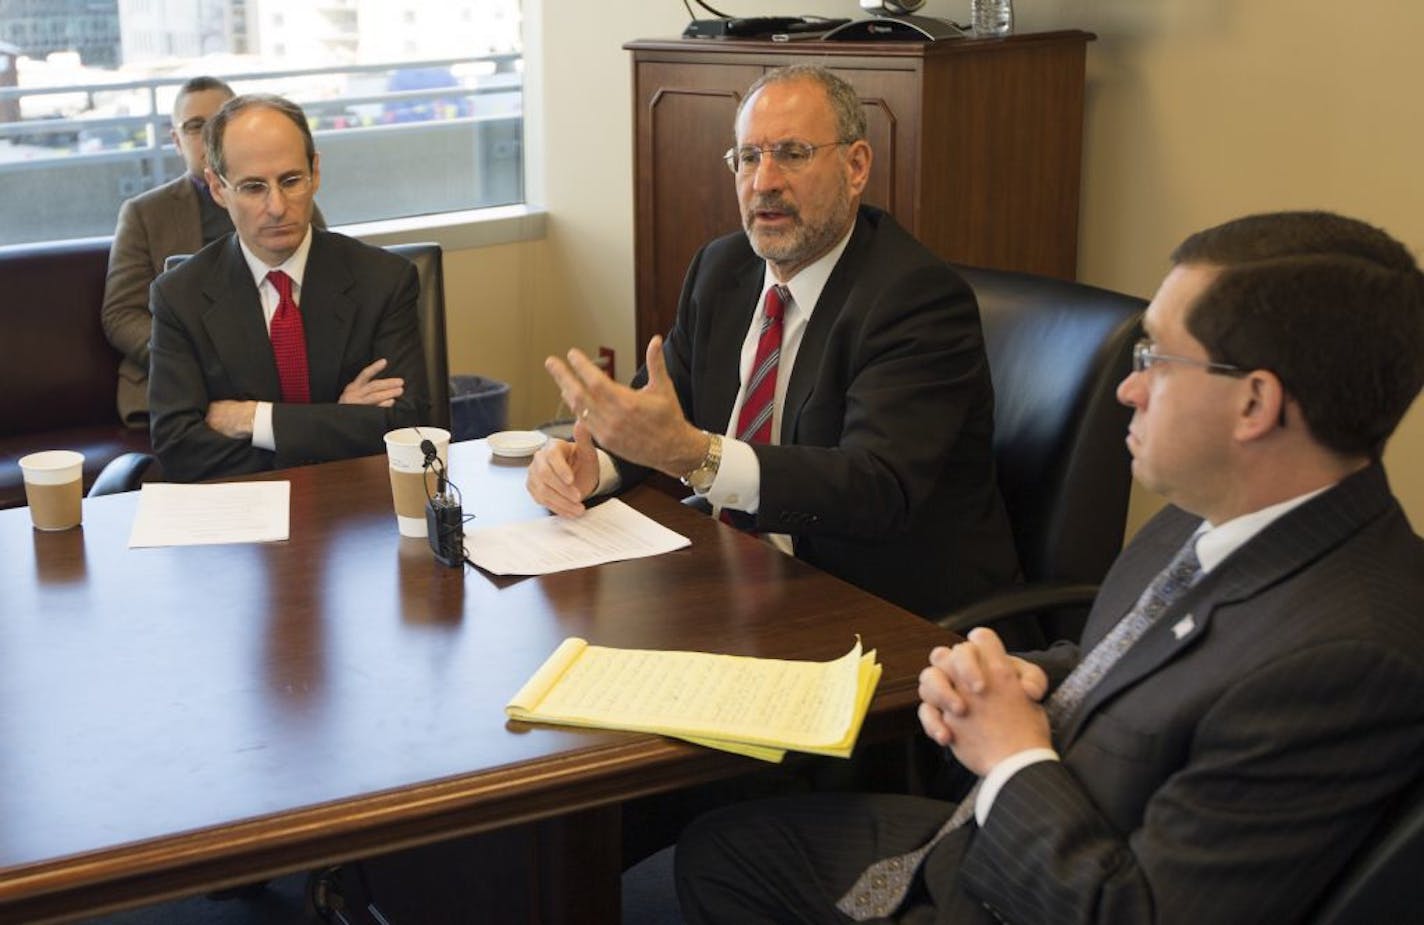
(1228, 766)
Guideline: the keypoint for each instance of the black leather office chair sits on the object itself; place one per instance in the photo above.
(1383, 882)
(430, 308)
(1057, 351)
(123, 473)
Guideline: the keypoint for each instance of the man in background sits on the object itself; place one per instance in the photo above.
(179, 217)
(825, 383)
(282, 344)
(1248, 700)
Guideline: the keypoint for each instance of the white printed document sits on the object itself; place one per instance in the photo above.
(609, 532)
(198, 515)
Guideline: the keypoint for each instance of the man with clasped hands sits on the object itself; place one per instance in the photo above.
(1248, 699)
(825, 381)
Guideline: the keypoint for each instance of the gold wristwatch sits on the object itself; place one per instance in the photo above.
(700, 479)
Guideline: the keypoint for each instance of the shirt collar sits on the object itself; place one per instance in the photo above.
(1214, 544)
(808, 282)
(294, 266)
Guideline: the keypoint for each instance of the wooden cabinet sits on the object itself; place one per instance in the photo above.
(978, 147)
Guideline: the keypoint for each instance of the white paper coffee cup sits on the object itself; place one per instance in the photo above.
(411, 482)
(54, 488)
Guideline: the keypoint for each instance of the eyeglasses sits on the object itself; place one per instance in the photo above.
(789, 156)
(293, 186)
(1144, 358)
(193, 126)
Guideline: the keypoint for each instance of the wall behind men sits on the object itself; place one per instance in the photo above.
(1197, 111)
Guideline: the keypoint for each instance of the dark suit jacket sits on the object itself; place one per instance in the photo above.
(210, 342)
(152, 227)
(1226, 775)
(884, 475)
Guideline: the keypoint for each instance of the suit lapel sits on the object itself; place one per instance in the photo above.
(327, 312)
(723, 378)
(180, 230)
(234, 322)
(1283, 548)
(823, 318)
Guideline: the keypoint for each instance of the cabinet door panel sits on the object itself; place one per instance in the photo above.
(892, 122)
(690, 197)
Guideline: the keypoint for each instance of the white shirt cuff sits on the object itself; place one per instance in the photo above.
(608, 478)
(738, 481)
(999, 775)
(262, 436)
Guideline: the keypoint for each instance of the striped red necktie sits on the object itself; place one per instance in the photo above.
(754, 421)
(289, 342)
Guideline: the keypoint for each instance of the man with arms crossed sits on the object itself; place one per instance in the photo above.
(1249, 695)
(178, 217)
(843, 362)
(280, 345)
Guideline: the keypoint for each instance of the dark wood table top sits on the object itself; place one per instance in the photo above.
(178, 718)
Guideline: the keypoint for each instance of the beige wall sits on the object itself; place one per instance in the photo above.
(1198, 110)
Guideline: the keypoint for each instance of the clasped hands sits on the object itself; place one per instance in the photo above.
(644, 426)
(983, 703)
(233, 418)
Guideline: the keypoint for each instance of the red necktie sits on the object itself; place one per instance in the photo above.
(754, 421)
(289, 342)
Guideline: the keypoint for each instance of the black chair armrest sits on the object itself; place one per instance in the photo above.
(123, 473)
(1016, 602)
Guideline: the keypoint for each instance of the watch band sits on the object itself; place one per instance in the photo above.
(700, 479)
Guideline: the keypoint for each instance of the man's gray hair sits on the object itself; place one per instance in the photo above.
(850, 115)
(217, 126)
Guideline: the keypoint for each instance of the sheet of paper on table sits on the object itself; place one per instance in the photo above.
(609, 532)
(200, 515)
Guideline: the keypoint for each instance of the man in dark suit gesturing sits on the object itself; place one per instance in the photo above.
(1248, 698)
(281, 344)
(825, 379)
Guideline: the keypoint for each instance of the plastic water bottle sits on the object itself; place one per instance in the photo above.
(992, 18)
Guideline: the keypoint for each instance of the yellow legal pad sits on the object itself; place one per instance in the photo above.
(759, 707)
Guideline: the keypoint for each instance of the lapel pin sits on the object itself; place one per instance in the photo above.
(1183, 626)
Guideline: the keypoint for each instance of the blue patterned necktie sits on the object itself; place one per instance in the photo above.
(881, 887)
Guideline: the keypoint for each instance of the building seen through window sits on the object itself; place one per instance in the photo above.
(416, 105)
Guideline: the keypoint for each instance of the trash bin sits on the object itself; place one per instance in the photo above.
(478, 407)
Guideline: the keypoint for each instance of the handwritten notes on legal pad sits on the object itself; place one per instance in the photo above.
(753, 706)
(608, 532)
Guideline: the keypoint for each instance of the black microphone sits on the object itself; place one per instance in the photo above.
(432, 460)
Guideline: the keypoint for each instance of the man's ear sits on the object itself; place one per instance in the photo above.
(316, 171)
(858, 158)
(1263, 405)
(215, 187)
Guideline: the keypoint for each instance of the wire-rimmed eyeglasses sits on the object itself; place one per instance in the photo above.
(292, 185)
(789, 156)
(1144, 358)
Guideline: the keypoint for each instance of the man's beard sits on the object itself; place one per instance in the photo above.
(802, 242)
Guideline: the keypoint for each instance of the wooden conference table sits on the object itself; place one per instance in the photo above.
(179, 719)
